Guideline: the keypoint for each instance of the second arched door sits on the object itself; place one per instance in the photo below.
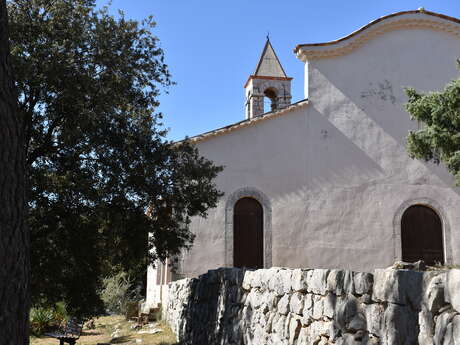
(421, 235)
(248, 234)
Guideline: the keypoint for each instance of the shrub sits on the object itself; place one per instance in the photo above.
(61, 316)
(45, 318)
(116, 293)
(40, 319)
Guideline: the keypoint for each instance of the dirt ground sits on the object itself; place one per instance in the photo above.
(116, 330)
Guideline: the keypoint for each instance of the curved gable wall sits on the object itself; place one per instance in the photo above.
(418, 19)
(336, 171)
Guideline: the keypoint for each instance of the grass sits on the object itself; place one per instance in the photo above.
(106, 325)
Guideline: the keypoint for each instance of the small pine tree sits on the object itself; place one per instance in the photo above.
(438, 140)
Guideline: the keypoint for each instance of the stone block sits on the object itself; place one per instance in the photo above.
(280, 282)
(400, 325)
(255, 299)
(357, 323)
(348, 282)
(296, 303)
(434, 294)
(426, 326)
(452, 291)
(318, 307)
(456, 329)
(374, 318)
(317, 281)
(335, 281)
(278, 325)
(270, 301)
(299, 280)
(283, 305)
(346, 309)
(329, 305)
(294, 329)
(363, 283)
(307, 309)
(443, 328)
(247, 280)
(398, 286)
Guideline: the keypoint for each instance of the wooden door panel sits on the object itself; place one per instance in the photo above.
(248, 234)
(421, 235)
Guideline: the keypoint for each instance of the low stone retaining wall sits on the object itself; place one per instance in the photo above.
(318, 306)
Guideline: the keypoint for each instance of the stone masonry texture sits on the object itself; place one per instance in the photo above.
(316, 306)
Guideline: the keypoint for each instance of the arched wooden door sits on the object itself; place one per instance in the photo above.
(248, 234)
(421, 235)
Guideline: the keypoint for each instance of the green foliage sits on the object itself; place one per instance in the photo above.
(116, 293)
(438, 139)
(97, 155)
(45, 318)
(61, 315)
(40, 319)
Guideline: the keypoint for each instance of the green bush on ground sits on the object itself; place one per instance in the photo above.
(117, 293)
(44, 318)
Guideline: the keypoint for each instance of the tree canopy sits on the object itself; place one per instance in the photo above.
(96, 150)
(438, 139)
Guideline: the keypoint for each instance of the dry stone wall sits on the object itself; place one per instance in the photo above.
(316, 306)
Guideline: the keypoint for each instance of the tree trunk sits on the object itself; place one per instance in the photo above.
(14, 235)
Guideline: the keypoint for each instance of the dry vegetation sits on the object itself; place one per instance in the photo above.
(106, 326)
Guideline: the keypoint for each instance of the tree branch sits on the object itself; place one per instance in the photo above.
(47, 145)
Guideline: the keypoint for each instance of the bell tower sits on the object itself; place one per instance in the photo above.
(268, 83)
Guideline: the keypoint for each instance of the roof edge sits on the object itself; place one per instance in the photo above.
(252, 76)
(299, 47)
(244, 123)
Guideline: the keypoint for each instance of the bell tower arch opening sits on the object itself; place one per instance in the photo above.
(270, 100)
(269, 88)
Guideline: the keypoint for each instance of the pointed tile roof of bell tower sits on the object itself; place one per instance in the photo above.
(269, 65)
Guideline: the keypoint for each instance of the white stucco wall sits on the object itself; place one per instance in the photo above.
(335, 170)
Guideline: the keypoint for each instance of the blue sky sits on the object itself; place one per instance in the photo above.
(212, 46)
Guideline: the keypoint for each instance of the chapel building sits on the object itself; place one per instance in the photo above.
(326, 182)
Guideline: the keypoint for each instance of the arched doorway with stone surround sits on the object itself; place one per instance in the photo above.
(422, 235)
(248, 232)
(249, 204)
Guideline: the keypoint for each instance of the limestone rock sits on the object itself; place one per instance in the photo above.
(363, 283)
(426, 324)
(348, 282)
(346, 310)
(307, 310)
(299, 280)
(452, 291)
(280, 282)
(269, 301)
(296, 303)
(283, 305)
(374, 318)
(318, 307)
(317, 281)
(335, 282)
(456, 329)
(434, 296)
(399, 325)
(278, 325)
(398, 286)
(294, 329)
(329, 305)
(247, 280)
(443, 328)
